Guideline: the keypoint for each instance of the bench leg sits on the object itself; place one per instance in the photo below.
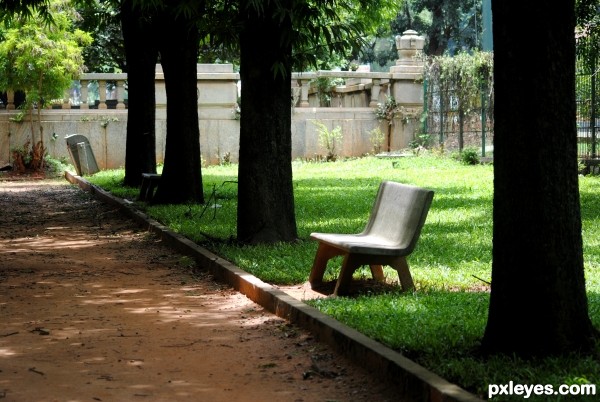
(351, 263)
(325, 252)
(377, 272)
(151, 189)
(406, 281)
(143, 190)
(149, 184)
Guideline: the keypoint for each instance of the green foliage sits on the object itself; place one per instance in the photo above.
(387, 110)
(102, 20)
(461, 89)
(15, 9)
(377, 138)
(419, 143)
(328, 139)
(42, 59)
(57, 167)
(469, 156)
(588, 31)
(463, 77)
(325, 86)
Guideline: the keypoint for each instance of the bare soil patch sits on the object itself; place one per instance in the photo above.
(93, 308)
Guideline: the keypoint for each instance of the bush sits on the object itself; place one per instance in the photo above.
(469, 156)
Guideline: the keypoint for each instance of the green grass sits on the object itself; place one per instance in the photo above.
(440, 325)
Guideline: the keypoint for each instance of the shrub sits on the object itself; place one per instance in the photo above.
(469, 156)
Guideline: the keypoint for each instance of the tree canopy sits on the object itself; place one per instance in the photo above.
(42, 59)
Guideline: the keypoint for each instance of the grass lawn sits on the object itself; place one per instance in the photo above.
(441, 323)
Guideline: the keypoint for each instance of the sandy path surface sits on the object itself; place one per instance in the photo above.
(93, 308)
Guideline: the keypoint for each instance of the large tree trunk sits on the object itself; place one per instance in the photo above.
(538, 303)
(181, 179)
(265, 190)
(141, 55)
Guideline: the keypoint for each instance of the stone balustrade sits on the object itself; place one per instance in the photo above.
(360, 89)
(95, 106)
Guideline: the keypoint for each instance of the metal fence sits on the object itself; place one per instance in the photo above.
(588, 107)
(457, 124)
(448, 123)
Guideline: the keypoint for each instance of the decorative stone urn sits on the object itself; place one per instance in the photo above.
(408, 45)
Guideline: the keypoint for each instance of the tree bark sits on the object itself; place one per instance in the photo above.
(181, 179)
(538, 304)
(141, 55)
(265, 190)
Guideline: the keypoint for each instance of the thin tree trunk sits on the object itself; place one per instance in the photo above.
(141, 55)
(181, 179)
(265, 193)
(538, 303)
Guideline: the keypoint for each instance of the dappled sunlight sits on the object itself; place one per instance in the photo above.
(107, 335)
(95, 309)
(7, 352)
(47, 243)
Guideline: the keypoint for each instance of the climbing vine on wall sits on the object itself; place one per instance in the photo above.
(459, 95)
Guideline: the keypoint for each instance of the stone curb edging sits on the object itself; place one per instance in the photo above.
(415, 382)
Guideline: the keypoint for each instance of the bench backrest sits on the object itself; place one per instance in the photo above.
(399, 213)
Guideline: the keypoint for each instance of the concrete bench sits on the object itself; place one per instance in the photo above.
(149, 183)
(389, 237)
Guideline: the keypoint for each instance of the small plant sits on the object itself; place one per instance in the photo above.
(387, 110)
(237, 109)
(237, 112)
(325, 86)
(105, 121)
(469, 156)
(19, 117)
(328, 139)
(226, 159)
(28, 157)
(421, 140)
(377, 138)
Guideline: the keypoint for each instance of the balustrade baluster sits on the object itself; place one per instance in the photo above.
(304, 85)
(102, 94)
(10, 95)
(83, 101)
(375, 90)
(120, 94)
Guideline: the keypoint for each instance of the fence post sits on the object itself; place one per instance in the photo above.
(593, 111)
(424, 127)
(441, 115)
(483, 119)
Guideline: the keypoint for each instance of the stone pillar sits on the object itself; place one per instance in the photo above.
(10, 95)
(407, 87)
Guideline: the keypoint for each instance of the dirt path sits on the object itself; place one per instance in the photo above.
(94, 309)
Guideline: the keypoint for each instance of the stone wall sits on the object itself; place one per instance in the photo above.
(352, 108)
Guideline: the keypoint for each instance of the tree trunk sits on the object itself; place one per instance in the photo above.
(181, 179)
(436, 47)
(265, 189)
(538, 303)
(141, 55)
